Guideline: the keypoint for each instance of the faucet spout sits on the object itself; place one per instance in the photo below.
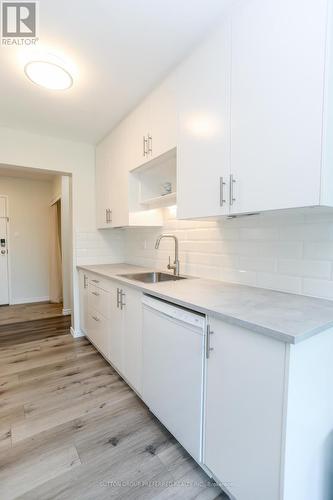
(175, 266)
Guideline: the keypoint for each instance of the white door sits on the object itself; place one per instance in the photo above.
(278, 63)
(204, 129)
(4, 290)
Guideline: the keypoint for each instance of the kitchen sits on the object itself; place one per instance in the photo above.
(197, 360)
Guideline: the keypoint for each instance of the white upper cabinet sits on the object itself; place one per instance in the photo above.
(102, 182)
(203, 155)
(250, 112)
(137, 125)
(277, 86)
(145, 135)
(112, 181)
(152, 126)
(162, 119)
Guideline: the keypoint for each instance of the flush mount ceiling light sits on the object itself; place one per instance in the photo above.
(49, 75)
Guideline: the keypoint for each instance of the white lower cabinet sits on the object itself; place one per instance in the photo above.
(97, 328)
(245, 381)
(114, 324)
(83, 300)
(132, 337)
(116, 328)
(267, 405)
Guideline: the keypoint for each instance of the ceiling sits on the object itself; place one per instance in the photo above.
(118, 50)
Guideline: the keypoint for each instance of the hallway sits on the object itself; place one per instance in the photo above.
(21, 313)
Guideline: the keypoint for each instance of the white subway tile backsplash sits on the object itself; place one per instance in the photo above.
(319, 250)
(307, 232)
(306, 268)
(318, 288)
(258, 264)
(279, 282)
(259, 233)
(286, 251)
(98, 248)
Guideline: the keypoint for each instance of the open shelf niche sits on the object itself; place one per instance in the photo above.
(154, 185)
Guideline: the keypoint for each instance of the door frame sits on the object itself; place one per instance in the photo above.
(10, 301)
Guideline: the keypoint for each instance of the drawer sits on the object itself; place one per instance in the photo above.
(98, 332)
(100, 282)
(99, 300)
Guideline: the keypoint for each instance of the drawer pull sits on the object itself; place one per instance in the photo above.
(95, 293)
(95, 281)
(95, 318)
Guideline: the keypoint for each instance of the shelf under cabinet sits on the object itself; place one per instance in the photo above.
(160, 201)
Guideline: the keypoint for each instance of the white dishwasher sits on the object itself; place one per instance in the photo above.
(173, 369)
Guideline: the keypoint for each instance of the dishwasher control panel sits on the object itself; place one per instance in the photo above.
(174, 311)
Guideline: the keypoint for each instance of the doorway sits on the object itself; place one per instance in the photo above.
(4, 275)
(34, 284)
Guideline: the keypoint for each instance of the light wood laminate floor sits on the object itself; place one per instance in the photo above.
(19, 313)
(70, 428)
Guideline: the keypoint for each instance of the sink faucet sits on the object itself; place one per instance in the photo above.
(175, 265)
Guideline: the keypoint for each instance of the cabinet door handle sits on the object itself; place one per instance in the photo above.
(209, 349)
(107, 215)
(95, 281)
(222, 184)
(95, 318)
(150, 145)
(122, 304)
(144, 148)
(85, 281)
(95, 293)
(232, 199)
(118, 297)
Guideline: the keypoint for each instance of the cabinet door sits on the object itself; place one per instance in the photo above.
(83, 296)
(119, 191)
(132, 337)
(116, 329)
(112, 180)
(137, 124)
(98, 332)
(204, 126)
(278, 53)
(244, 411)
(162, 119)
(102, 183)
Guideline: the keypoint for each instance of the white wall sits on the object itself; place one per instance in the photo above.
(62, 188)
(58, 155)
(289, 251)
(28, 238)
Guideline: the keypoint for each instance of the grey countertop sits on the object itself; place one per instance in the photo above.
(287, 317)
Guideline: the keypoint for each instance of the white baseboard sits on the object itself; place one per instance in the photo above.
(30, 300)
(66, 312)
(76, 333)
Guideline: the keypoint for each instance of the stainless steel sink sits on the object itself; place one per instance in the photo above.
(152, 277)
